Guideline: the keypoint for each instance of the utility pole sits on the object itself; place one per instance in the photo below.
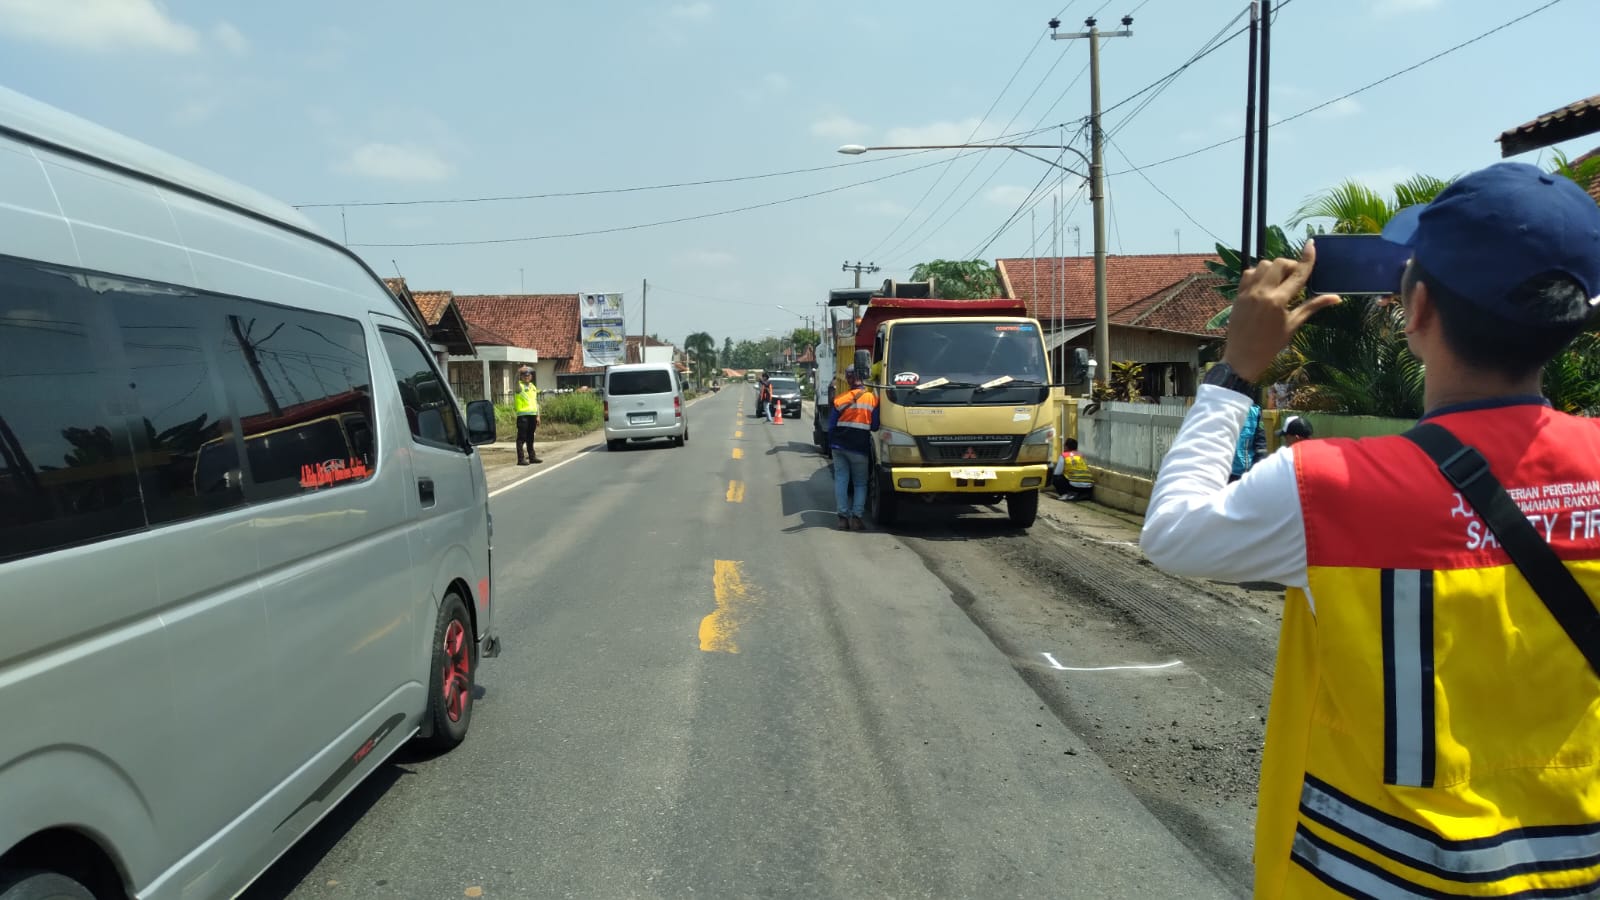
(858, 268)
(1102, 323)
(644, 317)
(1246, 257)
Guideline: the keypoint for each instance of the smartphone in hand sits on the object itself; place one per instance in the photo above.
(1357, 264)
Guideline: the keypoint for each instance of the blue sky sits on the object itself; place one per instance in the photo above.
(401, 100)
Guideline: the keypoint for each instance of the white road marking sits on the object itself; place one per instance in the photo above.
(542, 472)
(1055, 665)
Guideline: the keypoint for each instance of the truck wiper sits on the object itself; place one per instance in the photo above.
(944, 382)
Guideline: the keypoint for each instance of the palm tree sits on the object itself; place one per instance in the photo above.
(703, 347)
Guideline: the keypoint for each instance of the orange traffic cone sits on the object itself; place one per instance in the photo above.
(777, 409)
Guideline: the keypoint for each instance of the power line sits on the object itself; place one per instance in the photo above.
(934, 186)
(1159, 85)
(1364, 88)
(1175, 204)
(638, 226)
(600, 191)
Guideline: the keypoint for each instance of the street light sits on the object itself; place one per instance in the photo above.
(1102, 320)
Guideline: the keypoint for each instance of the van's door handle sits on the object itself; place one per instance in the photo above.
(425, 491)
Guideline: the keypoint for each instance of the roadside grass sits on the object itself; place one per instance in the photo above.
(561, 417)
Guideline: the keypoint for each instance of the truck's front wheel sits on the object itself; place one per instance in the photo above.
(883, 502)
(1023, 508)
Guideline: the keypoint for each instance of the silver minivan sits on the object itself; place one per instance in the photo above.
(244, 531)
(644, 400)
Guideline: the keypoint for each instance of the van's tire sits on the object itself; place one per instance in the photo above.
(1023, 508)
(36, 885)
(614, 446)
(882, 502)
(455, 667)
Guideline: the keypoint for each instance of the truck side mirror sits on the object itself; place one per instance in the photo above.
(1080, 365)
(863, 365)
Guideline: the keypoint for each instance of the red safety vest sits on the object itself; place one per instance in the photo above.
(1433, 731)
(855, 408)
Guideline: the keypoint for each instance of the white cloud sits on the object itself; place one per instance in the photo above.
(1386, 8)
(396, 162)
(196, 111)
(231, 39)
(838, 127)
(885, 207)
(699, 10)
(934, 133)
(707, 259)
(1339, 109)
(775, 82)
(97, 25)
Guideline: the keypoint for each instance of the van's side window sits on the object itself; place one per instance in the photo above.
(182, 417)
(302, 389)
(430, 407)
(66, 461)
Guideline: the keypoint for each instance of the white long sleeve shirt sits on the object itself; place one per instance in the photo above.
(1199, 525)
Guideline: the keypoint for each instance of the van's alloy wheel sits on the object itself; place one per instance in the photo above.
(455, 663)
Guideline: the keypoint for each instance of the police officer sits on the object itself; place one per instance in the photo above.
(1434, 727)
(527, 415)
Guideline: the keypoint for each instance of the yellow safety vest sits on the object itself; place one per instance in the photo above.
(527, 400)
(1433, 731)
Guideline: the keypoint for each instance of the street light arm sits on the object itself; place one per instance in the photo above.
(857, 149)
(1052, 162)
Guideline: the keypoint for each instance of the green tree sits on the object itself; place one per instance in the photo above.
(703, 348)
(803, 338)
(959, 279)
(727, 351)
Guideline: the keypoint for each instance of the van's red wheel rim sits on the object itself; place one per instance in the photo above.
(456, 679)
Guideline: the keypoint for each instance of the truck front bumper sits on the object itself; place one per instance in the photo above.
(975, 479)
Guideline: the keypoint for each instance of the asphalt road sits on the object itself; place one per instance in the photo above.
(708, 691)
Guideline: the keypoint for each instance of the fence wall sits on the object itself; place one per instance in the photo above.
(1129, 437)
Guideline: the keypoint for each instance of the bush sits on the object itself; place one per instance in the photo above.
(585, 410)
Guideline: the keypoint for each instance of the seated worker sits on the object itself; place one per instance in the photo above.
(1294, 430)
(1071, 477)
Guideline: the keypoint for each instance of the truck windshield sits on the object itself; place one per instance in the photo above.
(963, 357)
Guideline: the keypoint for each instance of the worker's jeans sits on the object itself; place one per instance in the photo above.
(847, 465)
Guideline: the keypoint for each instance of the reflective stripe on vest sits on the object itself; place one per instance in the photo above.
(1433, 731)
(855, 409)
(527, 400)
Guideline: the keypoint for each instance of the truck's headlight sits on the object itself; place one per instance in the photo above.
(1036, 446)
(899, 448)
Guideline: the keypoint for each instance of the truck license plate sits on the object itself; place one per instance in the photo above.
(974, 474)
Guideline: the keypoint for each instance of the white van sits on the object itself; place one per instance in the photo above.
(644, 400)
(244, 532)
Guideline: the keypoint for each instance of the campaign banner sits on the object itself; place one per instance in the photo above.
(602, 329)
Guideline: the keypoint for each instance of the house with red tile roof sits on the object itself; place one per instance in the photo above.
(543, 325)
(1157, 304)
(447, 330)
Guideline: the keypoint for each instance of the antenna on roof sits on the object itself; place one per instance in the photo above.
(396, 267)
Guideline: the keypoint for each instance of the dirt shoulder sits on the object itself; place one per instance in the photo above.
(1167, 679)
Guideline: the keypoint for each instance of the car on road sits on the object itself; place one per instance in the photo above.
(786, 390)
(644, 401)
(244, 530)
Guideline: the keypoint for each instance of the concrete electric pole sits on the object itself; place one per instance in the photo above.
(858, 268)
(1102, 325)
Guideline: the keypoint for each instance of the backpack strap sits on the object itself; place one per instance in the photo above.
(1466, 469)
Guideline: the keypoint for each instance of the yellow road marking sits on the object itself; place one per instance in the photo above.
(735, 492)
(737, 453)
(717, 630)
(738, 434)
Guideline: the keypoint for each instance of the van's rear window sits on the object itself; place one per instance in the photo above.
(650, 381)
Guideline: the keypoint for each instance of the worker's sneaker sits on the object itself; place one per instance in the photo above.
(856, 524)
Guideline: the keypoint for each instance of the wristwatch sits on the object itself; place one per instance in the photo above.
(1223, 375)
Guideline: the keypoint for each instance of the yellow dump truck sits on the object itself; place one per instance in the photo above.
(964, 394)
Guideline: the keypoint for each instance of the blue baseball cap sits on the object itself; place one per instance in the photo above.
(1493, 229)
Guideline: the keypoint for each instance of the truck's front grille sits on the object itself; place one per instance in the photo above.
(963, 448)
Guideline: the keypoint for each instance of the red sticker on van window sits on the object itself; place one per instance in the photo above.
(333, 471)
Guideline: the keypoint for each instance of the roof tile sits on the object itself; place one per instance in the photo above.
(1129, 279)
(1185, 307)
(547, 323)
